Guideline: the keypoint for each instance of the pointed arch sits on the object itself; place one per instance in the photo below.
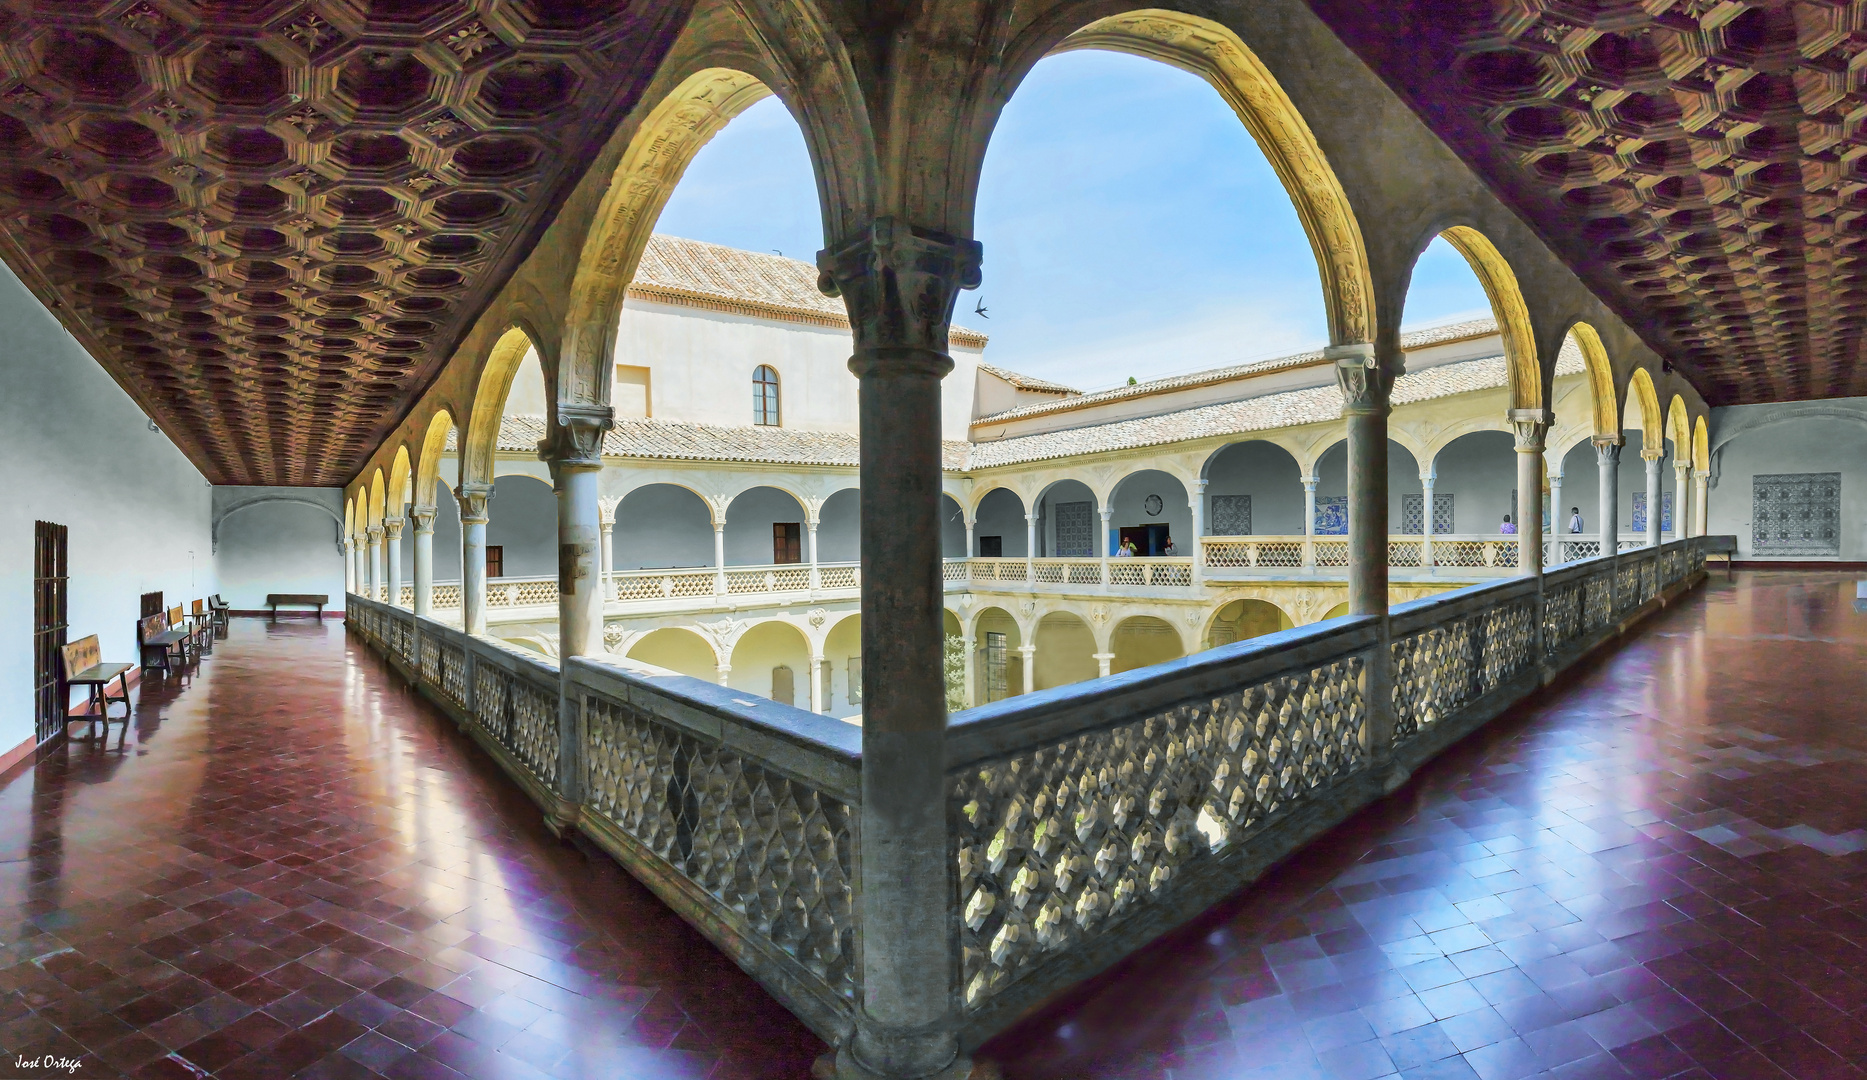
(350, 517)
(1679, 428)
(1606, 405)
(1219, 56)
(428, 463)
(1640, 389)
(400, 481)
(1701, 446)
(377, 494)
(489, 403)
(656, 158)
(1510, 310)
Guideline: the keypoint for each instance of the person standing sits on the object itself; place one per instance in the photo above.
(1507, 529)
(1575, 519)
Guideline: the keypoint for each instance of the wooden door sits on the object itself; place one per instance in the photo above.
(787, 545)
(49, 587)
(495, 561)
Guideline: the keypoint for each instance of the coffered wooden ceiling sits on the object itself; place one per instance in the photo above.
(1701, 163)
(273, 220)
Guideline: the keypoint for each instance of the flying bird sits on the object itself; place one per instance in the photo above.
(979, 309)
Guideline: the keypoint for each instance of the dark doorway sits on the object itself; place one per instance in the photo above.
(786, 542)
(152, 604)
(49, 586)
(495, 561)
(1147, 539)
(991, 547)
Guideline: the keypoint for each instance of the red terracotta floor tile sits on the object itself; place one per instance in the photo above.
(297, 866)
(1655, 868)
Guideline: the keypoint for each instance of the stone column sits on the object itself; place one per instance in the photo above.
(1652, 457)
(424, 559)
(1309, 522)
(970, 549)
(1531, 426)
(375, 561)
(1102, 543)
(392, 555)
(1608, 470)
(607, 553)
(1030, 547)
(719, 556)
(1682, 497)
(816, 682)
(1559, 527)
(1365, 407)
(574, 450)
(972, 670)
(1197, 504)
(816, 575)
(1028, 654)
(1428, 478)
(899, 286)
(1102, 663)
(1701, 502)
(724, 671)
(350, 565)
(473, 517)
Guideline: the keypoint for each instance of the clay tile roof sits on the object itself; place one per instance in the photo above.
(668, 441)
(1417, 339)
(677, 270)
(1027, 382)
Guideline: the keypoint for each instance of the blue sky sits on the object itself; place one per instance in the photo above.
(1131, 227)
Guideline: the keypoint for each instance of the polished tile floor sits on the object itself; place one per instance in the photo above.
(296, 866)
(1657, 869)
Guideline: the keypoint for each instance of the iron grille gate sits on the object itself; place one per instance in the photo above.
(48, 629)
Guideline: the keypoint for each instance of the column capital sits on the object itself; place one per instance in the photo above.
(1310, 482)
(1361, 378)
(392, 527)
(472, 498)
(1429, 476)
(1616, 440)
(1530, 426)
(1031, 517)
(1608, 453)
(1652, 453)
(374, 532)
(900, 284)
(576, 441)
(1701, 474)
(423, 517)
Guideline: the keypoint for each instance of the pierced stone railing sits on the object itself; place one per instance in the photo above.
(1084, 821)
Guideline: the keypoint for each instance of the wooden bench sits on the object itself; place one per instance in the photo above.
(201, 619)
(83, 668)
(1726, 546)
(178, 620)
(219, 607)
(318, 600)
(169, 646)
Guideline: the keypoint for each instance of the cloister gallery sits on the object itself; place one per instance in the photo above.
(747, 666)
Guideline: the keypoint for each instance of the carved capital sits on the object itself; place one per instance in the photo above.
(576, 442)
(1652, 453)
(472, 499)
(1608, 449)
(1530, 426)
(1609, 440)
(900, 284)
(424, 519)
(374, 532)
(1365, 385)
(392, 527)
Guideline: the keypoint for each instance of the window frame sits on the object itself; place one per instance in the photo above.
(767, 397)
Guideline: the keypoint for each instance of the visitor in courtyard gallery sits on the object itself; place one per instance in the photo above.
(1575, 519)
(1507, 529)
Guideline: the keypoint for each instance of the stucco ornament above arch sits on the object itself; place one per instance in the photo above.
(1219, 56)
(1510, 310)
(657, 156)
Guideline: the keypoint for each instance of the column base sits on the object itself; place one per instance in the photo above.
(842, 1065)
(561, 818)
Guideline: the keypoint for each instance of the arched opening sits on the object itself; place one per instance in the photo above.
(494, 400)
(839, 527)
(677, 650)
(660, 527)
(1150, 515)
(952, 528)
(998, 529)
(1405, 509)
(1443, 289)
(1581, 491)
(1477, 483)
(842, 669)
(1067, 521)
(772, 659)
(1603, 415)
(521, 528)
(1241, 620)
(446, 543)
(1253, 488)
(1642, 425)
(401, 489)
(1066, 651)
(765, 525)
(1141, 641)
(1508, 308)
(1337, 611)
(998, 666)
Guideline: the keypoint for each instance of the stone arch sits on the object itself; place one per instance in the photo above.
(1511, 311)
(1072, 488)
(1701, 446)
(1140, 641)
(660, 526)
(350, 516)
(998, 620)
(1217, 55)
(762, 651)
(1066, 649)
(428, 460)
(678, 649)
(1264, 481)
(1640, 390)
(842, 650)
(981, 493)
(1245, 618)
(1335, 612)
(400, 481)
(749, 538)
(1000, 512)
(378, 495)
(953, 522)
(1679, 428)
(1606, 404)
(1126, 500)
(489, 402)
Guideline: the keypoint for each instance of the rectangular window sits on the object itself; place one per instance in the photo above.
(854, 667)
(995, 688)
(1413, 514)
(1076, 535)
(495, 561)
(783, 685)
(630, 394)
(1231, 515)
(991, 547)
(786, 542)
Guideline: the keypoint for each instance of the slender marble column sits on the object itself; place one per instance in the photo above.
(970, 549)
(473, 498)
(816, 575)
(1028, 655)
(1701, 502)
(719, 557)
(1652, 457)
(424, 558)
(1030, 547)
(1428, 478)
(1365, 407)
(1309, 522)
(1197, 504)
(1103, 660)
(1531, 426)
(1559, 525)
(1608, 472)
(392, 554)
(375, 563)
(1682, 498)
(607, 558)
(350, 565)
(1102, 544)
(816, 682)
(724, 671)
(575, 454)
(899, 285)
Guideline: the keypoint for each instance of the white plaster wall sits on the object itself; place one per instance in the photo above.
(1479, 471)
(701, 363)
(1064, 491)
(280, 547)
(1267, 473)
(661, 526)
(1001, 514)
(1403, 478)
(952, 529)
(1811, 444)
(522, 518)
(842, 642)
(839, 528)
(748, 527)
(1129, 504)
(79, 452)
(767, 646)
(446, 536)
(1581, 487)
